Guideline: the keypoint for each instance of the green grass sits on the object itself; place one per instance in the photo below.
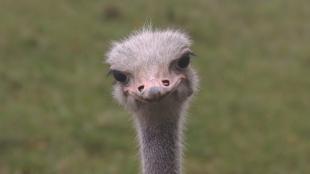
(251, 114)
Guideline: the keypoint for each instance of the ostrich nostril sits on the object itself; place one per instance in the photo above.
(140, 88)
(165, 82)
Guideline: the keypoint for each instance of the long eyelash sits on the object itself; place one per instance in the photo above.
(109, 72)
(192, 54)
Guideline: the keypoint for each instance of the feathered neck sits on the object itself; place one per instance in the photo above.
(160, 139)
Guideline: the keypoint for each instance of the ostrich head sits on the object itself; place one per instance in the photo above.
(154, 80)
(152, 69)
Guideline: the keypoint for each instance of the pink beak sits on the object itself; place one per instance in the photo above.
(154, 89)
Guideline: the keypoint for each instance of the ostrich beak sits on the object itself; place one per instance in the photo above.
(154, 90)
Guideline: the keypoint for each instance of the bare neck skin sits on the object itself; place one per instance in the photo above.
(160, 137)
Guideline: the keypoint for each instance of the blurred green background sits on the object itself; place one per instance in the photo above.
(252, 114)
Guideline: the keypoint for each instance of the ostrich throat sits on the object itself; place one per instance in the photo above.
(160, 135)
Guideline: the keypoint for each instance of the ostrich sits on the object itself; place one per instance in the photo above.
(154, 82)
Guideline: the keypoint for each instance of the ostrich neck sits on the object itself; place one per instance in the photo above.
(160, 136)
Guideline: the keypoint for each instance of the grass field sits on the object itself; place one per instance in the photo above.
(251, 116)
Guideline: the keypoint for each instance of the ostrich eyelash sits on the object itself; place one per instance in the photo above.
(188, 53)
(192, 54)
(109, 72)
(184, 60)
(119, 76)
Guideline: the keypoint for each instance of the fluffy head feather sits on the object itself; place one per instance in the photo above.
(146, 47)
(147, 57)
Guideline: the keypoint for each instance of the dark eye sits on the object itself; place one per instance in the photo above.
(119, 76)
(183, 62)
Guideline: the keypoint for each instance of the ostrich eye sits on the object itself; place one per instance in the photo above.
(183, 62)
(119, 76)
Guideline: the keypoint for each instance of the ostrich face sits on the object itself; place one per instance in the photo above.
(152, 67)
